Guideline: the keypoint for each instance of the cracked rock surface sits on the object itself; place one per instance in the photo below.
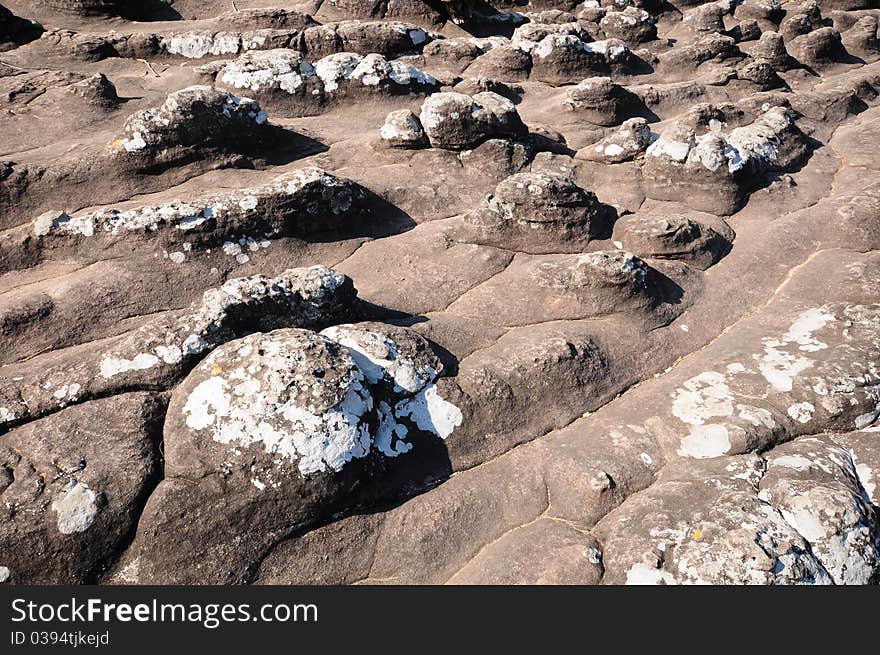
(466, 293)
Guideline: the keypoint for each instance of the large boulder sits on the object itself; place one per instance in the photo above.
(281, 430)
(537, 213)
(627, 142)
(15, 31)
(674, 236)
(288, 84)
(601, 101)
(715, 172)
(456, 121)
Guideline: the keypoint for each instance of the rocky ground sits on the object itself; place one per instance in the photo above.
(353, 291)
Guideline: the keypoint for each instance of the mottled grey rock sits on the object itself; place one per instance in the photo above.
(402, 129)
(627, 142)
(456, 121)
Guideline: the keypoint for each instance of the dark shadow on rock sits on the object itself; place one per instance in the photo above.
(380, 219)
(150, 10)
(363, 310)
(290, 146)
(664, 289)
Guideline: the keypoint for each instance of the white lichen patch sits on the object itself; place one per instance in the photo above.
(378, 358)
(216, 211)
(756, 145)
(783, 358)
(828, 508)
(195, 45)
(866, 477)
(703, 397)
(199, 330)
(111, 366)
(4, 573)
(159, 128)
(260, 404)
(77, 508)
(801, 412)
(267, 393)
(369, 70)
(431, 412)
(642, 574)
(284, 69)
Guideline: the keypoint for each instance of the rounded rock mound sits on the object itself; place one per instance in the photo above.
(537, 212)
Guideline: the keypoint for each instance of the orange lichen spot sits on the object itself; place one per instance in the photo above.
(216, 369)
(697, 534)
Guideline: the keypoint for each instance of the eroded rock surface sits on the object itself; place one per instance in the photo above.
(358, 292)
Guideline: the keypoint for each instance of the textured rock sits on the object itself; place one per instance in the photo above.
(537, 212)
(601, 101)
(716, 169)
(290, 85)
(402, 129)
(630, 140)
(291, 420)
(556, 287)
(160, 352)
(71, 493)
(674, 237)
(303, 203)
(15, 30)
(632, 25)
(440, 292)
(456, 121)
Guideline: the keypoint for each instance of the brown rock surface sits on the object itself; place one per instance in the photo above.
(360, 292)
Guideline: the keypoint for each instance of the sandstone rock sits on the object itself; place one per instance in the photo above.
(673, 237)
(558, 287)
(74, 485)
(303, 204)
(631, 139)
(631, 25)
(814, 484)
(747, 30)
(558, 58)
(292, 86)
(765, 10)
(543, 552)
(685, 531)
(771, 48)
(708, 49)
(707, 18)
(456, 121)
(160, 352)
(327, 414)
(821, 47)
(15, 31)
(537, 213)
(762, 73)
(601, 101)
(390, 39)
(716, 169)
(862, 38)
(195, 117)
(402, 129)
(505, 62)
